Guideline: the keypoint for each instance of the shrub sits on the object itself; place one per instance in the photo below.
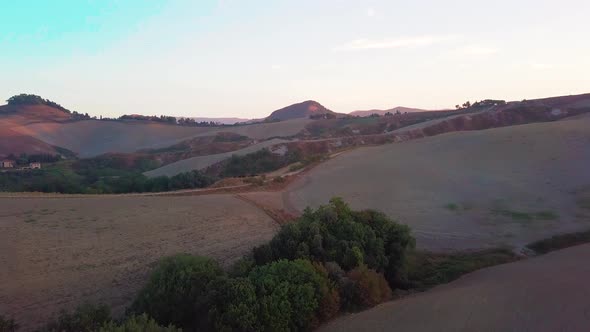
(289, 295)
(369, 287)
(86, 318)
(7, 325)
(176, 292)
(142, 323)
(335, 233)
(234, 305)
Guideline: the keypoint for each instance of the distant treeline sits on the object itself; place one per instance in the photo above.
(24, 159)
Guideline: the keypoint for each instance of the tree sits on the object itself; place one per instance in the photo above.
(335, 233)
(289, 295)
(142, 323)
(234, 305)
(176, 292)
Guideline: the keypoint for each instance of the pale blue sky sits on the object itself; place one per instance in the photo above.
(247, 58)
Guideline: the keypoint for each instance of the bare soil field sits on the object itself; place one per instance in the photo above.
(93, 137)
(546, 293)
(202, 162)
(59, 252)
(466, 190)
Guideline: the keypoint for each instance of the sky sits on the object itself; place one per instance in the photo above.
(232, 58)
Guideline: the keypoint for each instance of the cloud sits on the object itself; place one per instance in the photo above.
(404, 42)
(477, 50)
(542, 66)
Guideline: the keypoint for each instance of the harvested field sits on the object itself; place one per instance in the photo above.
(466, 190)
(546, 293)
(202, 162)
(63, 251)
(92, 137)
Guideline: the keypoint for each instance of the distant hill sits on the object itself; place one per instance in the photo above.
(298, 111)
(401, 109)
(227, 121)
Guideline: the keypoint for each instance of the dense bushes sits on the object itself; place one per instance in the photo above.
(103, 181)
(177, 290)
(86, 318)
(335, 233)
(289, 295)
(142, 323)
(255, 163)
(7, 325)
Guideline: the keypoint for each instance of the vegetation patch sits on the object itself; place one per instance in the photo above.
(560, 242)
(426, 269)
(525, 216)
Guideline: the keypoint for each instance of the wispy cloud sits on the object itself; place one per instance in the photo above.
(477, 50)
(404, 42)
(542, 66)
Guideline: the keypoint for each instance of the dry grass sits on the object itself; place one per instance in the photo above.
(466, 190)
(59, 252)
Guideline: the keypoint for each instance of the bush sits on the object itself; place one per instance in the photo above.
(85, 318)
(142, 323)
(7, 325)
(426, 269)
(176, 292)
(234, 305)
(369, 288)
(289, 295)
(335, 233)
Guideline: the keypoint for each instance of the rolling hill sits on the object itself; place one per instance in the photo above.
(300, 110)
(467, 189)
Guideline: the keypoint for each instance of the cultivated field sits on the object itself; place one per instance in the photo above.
(92, 137)
(547, 293)
(59, 252)
(202, 162)
(463, 190)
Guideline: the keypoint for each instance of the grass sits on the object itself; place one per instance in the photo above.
(426, 269)
(456, 207)
(525, 216)
(560, 242)
(452, 207)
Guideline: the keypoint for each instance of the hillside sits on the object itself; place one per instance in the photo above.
(14, 118)
(457, 190)
(520, 296)
(299, 110)
(394, 110)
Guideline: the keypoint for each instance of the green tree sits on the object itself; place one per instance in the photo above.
(176, 292)
(234, 305)
(289, 295)
(141, 323)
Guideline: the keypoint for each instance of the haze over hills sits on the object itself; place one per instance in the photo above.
(300, 110)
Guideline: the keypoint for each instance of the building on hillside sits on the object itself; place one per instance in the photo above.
(7, 164)
(35, 165)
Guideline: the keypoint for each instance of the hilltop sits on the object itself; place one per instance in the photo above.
(300, 110)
